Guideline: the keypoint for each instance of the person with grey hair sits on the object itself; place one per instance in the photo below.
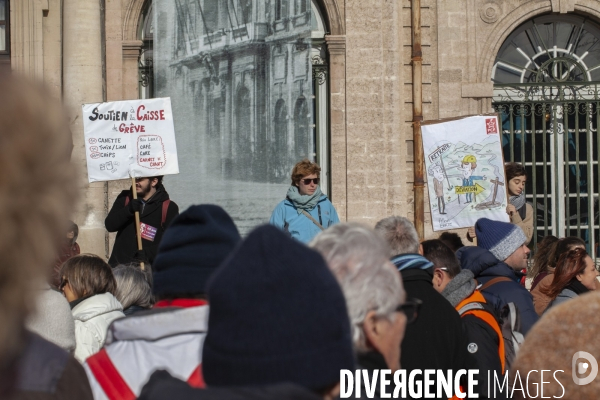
(134, 287)
(373, 290)
(436, 340)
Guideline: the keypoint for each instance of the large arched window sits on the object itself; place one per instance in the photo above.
(280, 9)
(146, 71)
(281, 138)
(547, 90)
(243, 123)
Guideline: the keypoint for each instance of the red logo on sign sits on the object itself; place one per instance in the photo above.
(491, 126)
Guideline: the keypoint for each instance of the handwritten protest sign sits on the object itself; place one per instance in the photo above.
(465, 168)
(133, 138)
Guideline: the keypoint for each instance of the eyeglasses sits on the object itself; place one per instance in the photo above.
(410, 308)
(308, 180)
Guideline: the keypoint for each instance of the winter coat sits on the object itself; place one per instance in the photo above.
(52, 318)
(525, 224)
(161, 338)
(47, 372)
(436, 339)
(541, 300)
(564, 296)
(485, 267)
(121, 220)
(163, 386)
(483, 340)
(92, 317)
(286, 217)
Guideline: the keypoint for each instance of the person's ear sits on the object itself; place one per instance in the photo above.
(421, 248)
(372, 331)
(154, 182)
(579, 277)
(438, 278)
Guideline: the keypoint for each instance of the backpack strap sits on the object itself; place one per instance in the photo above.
(113, 384)
(109, 377)
(165, 208)
(494, 281)
(491, 320)
(313, 220)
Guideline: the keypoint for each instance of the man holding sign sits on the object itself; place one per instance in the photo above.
(156, 213)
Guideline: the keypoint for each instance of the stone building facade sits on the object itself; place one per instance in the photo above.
(89, 51)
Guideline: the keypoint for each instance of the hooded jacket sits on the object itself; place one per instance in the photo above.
(161, 338)
(485, 267)
(285, 216)
(121, 220)
(92, 318)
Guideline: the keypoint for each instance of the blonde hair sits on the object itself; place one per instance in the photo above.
(37, 192)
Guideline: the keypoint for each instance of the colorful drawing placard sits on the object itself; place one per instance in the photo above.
(134, 138)
(465, 171)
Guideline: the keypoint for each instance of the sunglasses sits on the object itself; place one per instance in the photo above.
(308, 180)
(411, 309)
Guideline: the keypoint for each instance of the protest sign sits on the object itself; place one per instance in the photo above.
(133, 138)
(465, 168)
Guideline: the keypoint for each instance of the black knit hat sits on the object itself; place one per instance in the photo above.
(277, 314)
(192, 248)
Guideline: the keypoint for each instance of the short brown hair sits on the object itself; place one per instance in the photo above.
(304, 168)
(88, 275)
(514, 169)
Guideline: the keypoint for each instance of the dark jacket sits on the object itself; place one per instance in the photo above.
(485, 267)
(436, 339)
(47, 372)
(163, 386)
(121, 220)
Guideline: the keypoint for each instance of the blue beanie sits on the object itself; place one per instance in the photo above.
(277, 314)
(499, 238)
(192, 248)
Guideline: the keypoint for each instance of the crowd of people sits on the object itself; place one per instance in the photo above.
(291, 305)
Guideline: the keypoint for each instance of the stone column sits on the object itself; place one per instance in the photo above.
(336, 45)
(82, 83)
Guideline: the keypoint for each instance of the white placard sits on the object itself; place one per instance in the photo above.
(465, 171)
(133, 138)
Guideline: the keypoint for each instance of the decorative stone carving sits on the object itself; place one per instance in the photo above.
(490, 12)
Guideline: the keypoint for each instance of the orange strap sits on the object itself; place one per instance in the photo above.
(112, 382)
(491, 321)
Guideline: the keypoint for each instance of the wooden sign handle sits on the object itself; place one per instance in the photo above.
(137, 222)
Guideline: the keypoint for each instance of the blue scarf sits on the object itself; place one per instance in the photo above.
(303, 202)
(411, 261)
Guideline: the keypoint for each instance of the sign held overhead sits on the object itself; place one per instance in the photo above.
(133, 138)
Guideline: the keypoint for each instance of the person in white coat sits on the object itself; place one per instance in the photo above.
(88, 284)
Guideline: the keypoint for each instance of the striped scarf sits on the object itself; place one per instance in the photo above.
(411, 261)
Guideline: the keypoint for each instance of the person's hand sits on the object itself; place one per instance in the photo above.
(141, 256)
(510, 209)
(135, 205)
(471, 233)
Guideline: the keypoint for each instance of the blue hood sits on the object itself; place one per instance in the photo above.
(483, 263)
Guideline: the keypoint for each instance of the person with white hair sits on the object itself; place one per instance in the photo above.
(436, 340)
(374, 294)
(134, 287)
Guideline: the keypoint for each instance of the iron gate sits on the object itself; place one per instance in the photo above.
(552, 129)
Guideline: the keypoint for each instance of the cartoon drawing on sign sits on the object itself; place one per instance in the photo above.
(463, 159)
(438, 174)
(467, 166)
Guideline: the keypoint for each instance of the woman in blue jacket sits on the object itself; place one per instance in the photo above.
(306, 211)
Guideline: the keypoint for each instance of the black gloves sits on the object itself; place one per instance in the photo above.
(135, 205)
(141, 256)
